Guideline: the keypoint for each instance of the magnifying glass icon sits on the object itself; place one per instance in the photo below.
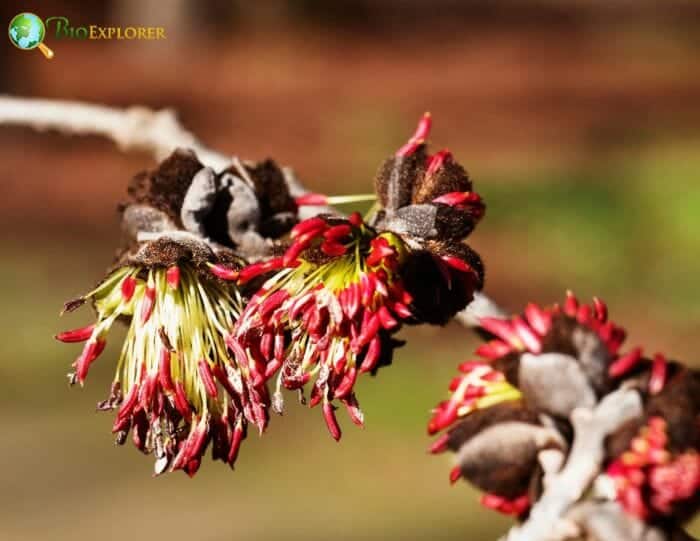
(27, 32)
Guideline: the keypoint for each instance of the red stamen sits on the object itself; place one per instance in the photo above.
(657, 380)
(91, 351)
(273, 302)
(315, 398)
(601, 310)
(514, 507)
(272, 367)
(76, 335)
(494, 375)
(223, 379)
(149, 300)
(372, 355)
(386, 319)
(256, 269)
(266, 344)
(421, 134)
(455, 474)
(172, 277)
(353, 300)
(128, 288)
(436, 161)
(617, 337)
(539, 320)
(238, 350)
(236, 439)
(279, 347)
(456, 381)
(181, 402)
(456, 263)
(502, 329)
(199, 441)
(606, 331)
(333, 249)
(448, 414)
(401, 310)
(337, 232)
(310, 224)
(183, 454)
(530, 339)
(353, 409)
(164, 376)
(378, 282)
(468, 366)
(311, 199)
(632, 501)
(331, 421)
(584, 315)
(625, 363)
(474, 391)
(455, 199)
(207, 378)
(440, 445)
(355, 219)
(491, 501)
(370, 328)
(346, 384)
(223, 272)
(494, 349)
(127, 406)
(301, 304)
(147, 391)
(571, 304)
(379, 250)
(297, 247)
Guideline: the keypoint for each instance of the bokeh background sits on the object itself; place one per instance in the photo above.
(578, 120)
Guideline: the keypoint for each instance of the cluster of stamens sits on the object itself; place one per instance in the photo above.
(177, 386)
(478, 386)
(326, 312)
(526, 333)
(648, 479)
(465, 201)
(481, 386)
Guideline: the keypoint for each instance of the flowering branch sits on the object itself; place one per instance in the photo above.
(134, 128)
(507, 399)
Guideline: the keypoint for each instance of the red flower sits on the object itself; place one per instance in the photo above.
(327, 313)
(478, 386)
(177, 387)
(649, 480)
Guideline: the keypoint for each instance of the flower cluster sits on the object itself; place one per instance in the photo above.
(330, 304)
(177, 387)
(427, 196)
(319, 305)
(501, 375)
(478, 386)
(328, 311)
(437, 179)
(540, 329)
(648, 478)
(550, 360)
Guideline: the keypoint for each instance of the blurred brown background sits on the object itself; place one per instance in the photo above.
(579, 121)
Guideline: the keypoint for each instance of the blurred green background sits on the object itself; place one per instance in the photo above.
(579, 122)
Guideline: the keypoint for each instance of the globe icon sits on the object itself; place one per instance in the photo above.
(26, 31)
